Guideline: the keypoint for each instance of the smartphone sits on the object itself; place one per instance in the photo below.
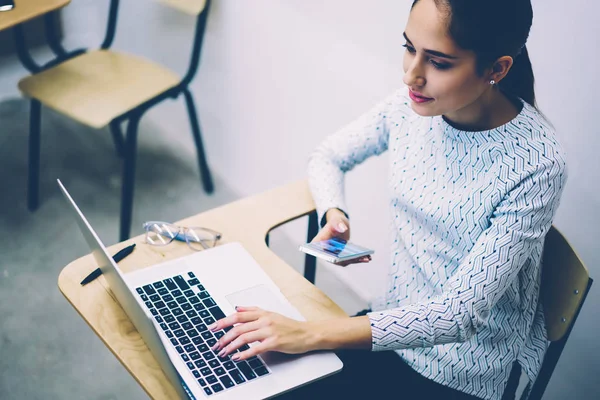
(335, 250)
(6, 5)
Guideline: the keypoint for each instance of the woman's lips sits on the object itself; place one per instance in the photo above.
(418, 98)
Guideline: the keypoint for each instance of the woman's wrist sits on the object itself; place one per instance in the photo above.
(341, 333)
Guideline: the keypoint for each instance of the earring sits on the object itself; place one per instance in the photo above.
(492, 82)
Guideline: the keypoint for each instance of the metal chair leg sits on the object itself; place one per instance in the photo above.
(129, 176)
(202, 164)
(115, 130)
(310, 262)
(35, 116)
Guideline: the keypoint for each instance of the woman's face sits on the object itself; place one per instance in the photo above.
(442, 78)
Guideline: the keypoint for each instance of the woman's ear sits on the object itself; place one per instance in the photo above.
(500, 68)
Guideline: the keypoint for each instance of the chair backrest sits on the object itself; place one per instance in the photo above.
(565, 285)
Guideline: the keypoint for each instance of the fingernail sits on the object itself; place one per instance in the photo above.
(341, 228)
(235, 357)
(222, 353)
(212, 326)
(215, 347)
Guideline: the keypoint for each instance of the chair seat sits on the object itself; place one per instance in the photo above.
(96, 87)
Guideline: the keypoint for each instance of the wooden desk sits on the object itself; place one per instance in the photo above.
(25, 10)
(247, 221)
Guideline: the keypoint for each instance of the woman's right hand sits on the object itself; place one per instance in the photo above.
(338, 226)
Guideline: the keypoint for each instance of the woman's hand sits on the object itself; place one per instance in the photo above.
(274, 332)
(338, 226)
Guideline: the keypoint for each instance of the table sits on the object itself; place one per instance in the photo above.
(26, 10)
(247, 221)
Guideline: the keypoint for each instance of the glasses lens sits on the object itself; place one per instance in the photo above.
(160, 233)
(200, 239)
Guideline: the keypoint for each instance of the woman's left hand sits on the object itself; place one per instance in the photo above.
(273, 331)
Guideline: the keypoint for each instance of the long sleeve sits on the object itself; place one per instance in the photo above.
(339, 153)
(515, 232)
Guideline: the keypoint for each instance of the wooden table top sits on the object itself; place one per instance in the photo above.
(25, 10)
(247, 221)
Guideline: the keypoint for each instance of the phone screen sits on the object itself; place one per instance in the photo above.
(6, 5)
(338, 247)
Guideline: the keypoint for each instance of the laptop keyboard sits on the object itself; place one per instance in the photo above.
(184, 308)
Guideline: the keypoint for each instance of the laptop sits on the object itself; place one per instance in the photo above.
(171, 304)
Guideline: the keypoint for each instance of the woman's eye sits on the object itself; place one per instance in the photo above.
(409, 48)
(438, 65)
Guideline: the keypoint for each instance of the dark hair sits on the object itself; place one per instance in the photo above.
(492, 29)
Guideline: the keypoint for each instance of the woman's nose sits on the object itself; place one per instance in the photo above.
(414, 76)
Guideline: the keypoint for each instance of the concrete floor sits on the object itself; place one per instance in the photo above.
(46, 350)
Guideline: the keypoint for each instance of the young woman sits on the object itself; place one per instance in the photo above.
(475, 179)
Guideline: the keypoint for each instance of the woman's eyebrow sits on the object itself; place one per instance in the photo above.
(433, 52)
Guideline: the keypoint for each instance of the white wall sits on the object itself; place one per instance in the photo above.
(277, 76)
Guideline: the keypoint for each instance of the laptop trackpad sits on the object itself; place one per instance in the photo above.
(262, 296)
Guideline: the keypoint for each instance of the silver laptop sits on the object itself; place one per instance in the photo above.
(172, 303)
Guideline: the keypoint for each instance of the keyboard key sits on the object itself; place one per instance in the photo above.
(211, 379)
(246, 370)
(170, 284)
(219, 334)
(229, 365)
(149, 304)
(202, 348)
(155, 297)
(186, 306)
(153, 311)
(176, 293)
(192, 333)
(200, 363)
(177, 311)
(228, 328)
(211, 342)
(164, 327)
(196, 321)
(159, 304)
(164, 311)
(207, 335)
(216, 313)
(182, 318)
(195, 300)
(217, 387)
(205, 371)
(169, 334)
(190, 365)
(181, 299)
(169, 318)
(255, 363)
(162, 291)
(207, 391)
(219, 371)
(189, 293)
(158, 285)
(181, 282)
(140, 290)
(244, 347)
(144, 297)
(209, 355)
(189, 348)
(172, 304)
(179, 333)
(185, 357)
(197, 340)
(174, 325)
(202, 382)
(184, 340)
(174, 341)
(201, 327)
(226, 381)
(261, 371)
(187, 326)
(149, 290)
(201, 288)
(194, 282)
(179, 349)
(168, 298)
(159, 319)
(191, 274)
(214, 363)
(196, 374)
(237, 376)
(195, 355)
(209, 320)
(204, 295)
(209, 302)
(205, 313)
(191, 314)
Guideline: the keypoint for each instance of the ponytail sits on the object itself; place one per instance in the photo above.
(520, 81)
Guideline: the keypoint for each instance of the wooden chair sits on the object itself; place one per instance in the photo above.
(105, 87)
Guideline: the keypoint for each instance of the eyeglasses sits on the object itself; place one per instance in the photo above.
(160, 233)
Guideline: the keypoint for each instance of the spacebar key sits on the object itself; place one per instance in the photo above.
(216, 312)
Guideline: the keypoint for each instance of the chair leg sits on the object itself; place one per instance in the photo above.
(35, 116)
(115, 130)
(204, 171)
(128, 176)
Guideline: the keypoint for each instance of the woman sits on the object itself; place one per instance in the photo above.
(475, 180)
